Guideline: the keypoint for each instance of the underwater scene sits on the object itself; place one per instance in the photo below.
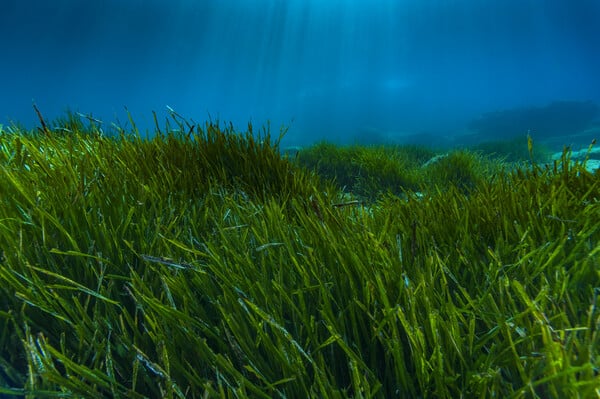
(300, 199)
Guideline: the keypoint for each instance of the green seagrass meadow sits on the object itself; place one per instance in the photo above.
(204, 262)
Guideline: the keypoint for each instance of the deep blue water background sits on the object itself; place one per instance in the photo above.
(339, 69)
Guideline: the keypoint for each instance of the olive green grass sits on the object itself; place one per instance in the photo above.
(370, 172)
(513, 150)
(200, 263)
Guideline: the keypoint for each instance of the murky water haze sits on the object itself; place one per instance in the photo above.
(343, 70)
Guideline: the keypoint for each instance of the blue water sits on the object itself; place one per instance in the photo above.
(337, 69)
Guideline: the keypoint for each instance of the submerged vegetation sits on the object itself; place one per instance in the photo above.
(372, 171)
(201, 263)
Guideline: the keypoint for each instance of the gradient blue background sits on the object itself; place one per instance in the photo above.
(339, 69)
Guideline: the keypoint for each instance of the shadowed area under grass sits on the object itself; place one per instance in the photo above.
(205, 264)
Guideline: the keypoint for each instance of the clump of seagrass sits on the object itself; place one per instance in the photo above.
(129, 272)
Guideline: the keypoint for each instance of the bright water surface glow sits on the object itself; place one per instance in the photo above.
(337, 69)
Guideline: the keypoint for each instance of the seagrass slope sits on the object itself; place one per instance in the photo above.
(200, 263)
